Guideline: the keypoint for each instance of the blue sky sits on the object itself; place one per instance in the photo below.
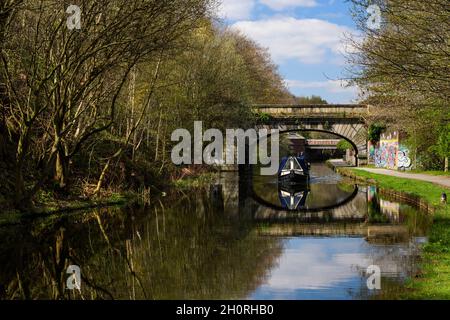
(305, 39)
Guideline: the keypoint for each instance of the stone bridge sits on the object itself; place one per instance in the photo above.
(345, 121)
(348, 218)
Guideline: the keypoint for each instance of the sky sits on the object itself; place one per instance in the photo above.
(305, 39)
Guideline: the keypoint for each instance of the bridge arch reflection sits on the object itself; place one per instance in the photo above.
(261, 201)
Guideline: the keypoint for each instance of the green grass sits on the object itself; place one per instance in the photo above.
(426, 190)
(434, 280)
(49, 206)
(201, 180)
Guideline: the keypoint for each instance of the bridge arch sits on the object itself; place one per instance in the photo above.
(355, 147)
(345, 121)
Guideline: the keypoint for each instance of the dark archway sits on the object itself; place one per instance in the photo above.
(355, 147)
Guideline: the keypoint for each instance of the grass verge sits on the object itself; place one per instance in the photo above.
(434, 280)
(51, 207)
(196, 181)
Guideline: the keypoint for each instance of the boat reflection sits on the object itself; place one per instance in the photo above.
(293, 197)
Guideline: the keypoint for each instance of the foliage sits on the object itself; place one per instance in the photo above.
(443, 146)
(403, 69)
(375, 131)
(86, 110)
(344, 145)
(263, 116)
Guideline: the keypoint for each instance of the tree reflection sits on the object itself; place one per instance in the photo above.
(183, 252)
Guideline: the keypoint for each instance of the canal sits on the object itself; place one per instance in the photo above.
(223, 241)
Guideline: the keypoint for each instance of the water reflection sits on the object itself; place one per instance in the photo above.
(185, 251)
(219, 243)
(293, 197)
(325, 190)
(334, 268)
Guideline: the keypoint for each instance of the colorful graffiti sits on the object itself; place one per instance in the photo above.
(371, 152)
(386, 153)
(391, 155)
(371, 193)
(404, 161)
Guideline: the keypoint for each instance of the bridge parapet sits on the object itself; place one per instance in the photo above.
(344, 110)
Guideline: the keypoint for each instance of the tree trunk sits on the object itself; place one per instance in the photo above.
(61, 170)
(157, 136)
(105, 170)
(446, 164)
(22, 199)
(102, 177)
(20, 192)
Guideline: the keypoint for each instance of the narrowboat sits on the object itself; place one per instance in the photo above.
(293, 170)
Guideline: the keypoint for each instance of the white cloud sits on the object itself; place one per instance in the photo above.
(323, 266)
(279, 5)
(236, 9)
(312, 266)
(332, 86)
(306, 40)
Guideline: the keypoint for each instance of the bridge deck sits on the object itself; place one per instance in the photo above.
(344, 110)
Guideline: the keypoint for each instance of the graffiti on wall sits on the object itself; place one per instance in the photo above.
(371, 152)
(404, 161)
(390, 154)
(386, 153)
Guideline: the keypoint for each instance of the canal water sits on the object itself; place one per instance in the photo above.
(231, 240)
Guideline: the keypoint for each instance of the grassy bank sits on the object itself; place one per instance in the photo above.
(434, 280)
(196, 181)
(49, 204)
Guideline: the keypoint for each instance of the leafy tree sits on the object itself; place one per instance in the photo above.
(375, 131)
(344, 145)
(403, 68)
(444, 144)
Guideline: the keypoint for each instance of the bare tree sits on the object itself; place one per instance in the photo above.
(69, 81)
